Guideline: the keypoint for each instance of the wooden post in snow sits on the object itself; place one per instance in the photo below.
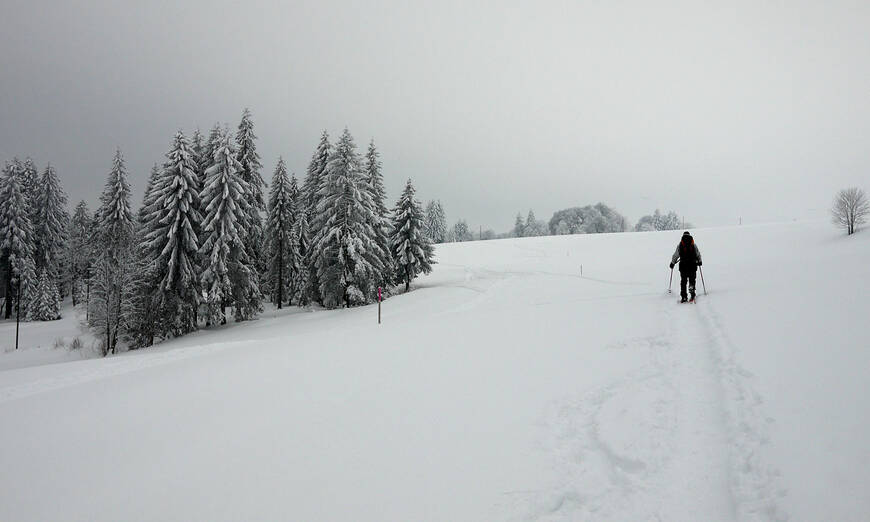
(379, 305)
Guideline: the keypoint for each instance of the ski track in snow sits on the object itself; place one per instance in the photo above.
(753, 481)
(680, 438)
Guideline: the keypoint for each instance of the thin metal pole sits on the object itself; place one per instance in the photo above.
(702, 280)
(17, 311)
(671, 281)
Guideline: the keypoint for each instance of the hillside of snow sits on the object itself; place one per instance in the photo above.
(505, 386)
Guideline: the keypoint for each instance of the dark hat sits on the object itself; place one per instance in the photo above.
(686, 233)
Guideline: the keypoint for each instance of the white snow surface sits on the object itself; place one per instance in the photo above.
(504, 387)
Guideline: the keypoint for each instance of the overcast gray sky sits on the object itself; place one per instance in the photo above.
(754, 109)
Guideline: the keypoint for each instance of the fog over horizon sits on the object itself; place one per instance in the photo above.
(716, 112)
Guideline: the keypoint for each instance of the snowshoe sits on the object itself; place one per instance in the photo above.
(684, 300)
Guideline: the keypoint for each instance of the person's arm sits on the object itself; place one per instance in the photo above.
(676, 257)
(698, 255)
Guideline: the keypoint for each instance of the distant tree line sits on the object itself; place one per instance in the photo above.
(208, 240)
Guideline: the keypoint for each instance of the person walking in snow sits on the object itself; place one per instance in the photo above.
(689, 257)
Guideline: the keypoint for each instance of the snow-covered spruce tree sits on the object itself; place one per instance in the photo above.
(142, 323)
(519, 226)
(197, 144)
(171, 240)
(411, 248)
(46, 302)
(311, 199)
(79, 250)
(207, 156)
(279, 234)
(300, 226)
(461, 232)
(16, 234)
(348, 257)
(250, 166)
(139, 312)
(106, 304)
(381, 223)
(51, 227)
(301, 236)
(436, 222)
(115, 231)
(227, 275)
(30, 183)
(150, 195)
(533, 227)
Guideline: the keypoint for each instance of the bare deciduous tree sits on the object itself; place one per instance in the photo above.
(850, 209)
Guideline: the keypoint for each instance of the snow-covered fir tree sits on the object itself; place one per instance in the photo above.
(228, 275)
(436, 222)
(115, 231)
(348, 257)
(410, 246)
(171, 240)
(312, 197)
(381, 223)
(79, 250)
(51, 226)
(279, 231)
(249, 171)
(46, 302)
(16, 236)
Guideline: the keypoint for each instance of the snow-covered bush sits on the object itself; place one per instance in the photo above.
(658, 221)
(591, 219)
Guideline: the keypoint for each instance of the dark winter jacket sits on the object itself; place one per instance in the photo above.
(687, 254)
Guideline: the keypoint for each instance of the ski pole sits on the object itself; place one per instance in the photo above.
(671, 280)
(702, 280)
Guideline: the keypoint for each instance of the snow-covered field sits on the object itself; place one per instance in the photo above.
(505, 387)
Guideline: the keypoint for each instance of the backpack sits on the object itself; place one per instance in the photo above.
(687, 251)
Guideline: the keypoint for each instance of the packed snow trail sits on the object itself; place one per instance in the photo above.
(506, 386)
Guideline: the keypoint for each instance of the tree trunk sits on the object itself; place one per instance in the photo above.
(8, 311)
(108, 327)
(117, 322)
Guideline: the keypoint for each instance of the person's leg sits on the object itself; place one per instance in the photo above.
(692, 276)
(683, 277)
